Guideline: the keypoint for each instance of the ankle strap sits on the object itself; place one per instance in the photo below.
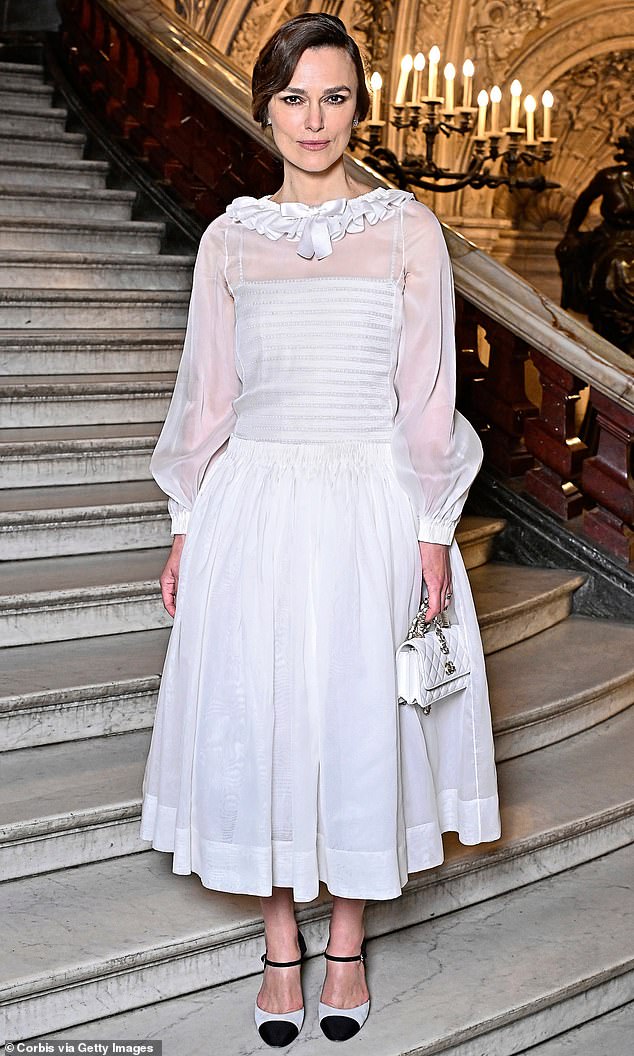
(279, 964)
(288, 964)
(359, 956)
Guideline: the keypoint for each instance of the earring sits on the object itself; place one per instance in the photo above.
(269, 121)
(355, 121)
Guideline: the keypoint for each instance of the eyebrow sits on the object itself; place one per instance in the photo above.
(327, 91)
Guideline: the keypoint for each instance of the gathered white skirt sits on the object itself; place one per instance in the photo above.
(279, 754)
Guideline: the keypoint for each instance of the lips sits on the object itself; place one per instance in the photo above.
(314, 144)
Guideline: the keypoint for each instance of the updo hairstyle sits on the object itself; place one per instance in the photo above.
(278, 58)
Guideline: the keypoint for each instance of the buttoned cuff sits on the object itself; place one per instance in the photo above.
(430, 531)
(179, 516)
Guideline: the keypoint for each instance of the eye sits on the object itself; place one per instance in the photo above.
(288, 98)
(342, 98)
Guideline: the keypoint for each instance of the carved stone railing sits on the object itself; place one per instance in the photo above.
(183, 108)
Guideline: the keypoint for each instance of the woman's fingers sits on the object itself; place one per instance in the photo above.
(169, 575)
(168, 592)
(169, 587)
(435, 605)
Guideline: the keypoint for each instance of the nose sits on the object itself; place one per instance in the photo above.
(314, 120)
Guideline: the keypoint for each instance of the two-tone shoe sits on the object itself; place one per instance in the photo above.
(340, 1024)
(280, 1028)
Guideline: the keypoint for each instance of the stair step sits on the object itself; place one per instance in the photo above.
(48, 600)
(610, 1033)
(82, 519)
(101, 697)
(98, 518)
(20, 73)
(516, 601)
(87, 236)
(67, 691)
(24, 96)
(89, 454)
(33, 119)
(70, 309)
(89, 351)
(53, 174)
(89, 595)
(66, 203)
(426, 997)
(138, 930)
(79, 801)
(476, 536)
(32, 146)
(560, 687)
(62, 598)
(88, 399)
(71, 272)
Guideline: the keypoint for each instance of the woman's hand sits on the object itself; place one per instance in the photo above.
(437, 576)
(169, 575)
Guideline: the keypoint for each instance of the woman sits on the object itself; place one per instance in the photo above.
(316, 470)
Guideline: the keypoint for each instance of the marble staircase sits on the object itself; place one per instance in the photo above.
(504, 947)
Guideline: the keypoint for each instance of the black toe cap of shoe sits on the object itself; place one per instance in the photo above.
(278, 1033)
(339, 1028)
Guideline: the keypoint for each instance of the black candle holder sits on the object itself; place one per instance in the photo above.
(423, 171)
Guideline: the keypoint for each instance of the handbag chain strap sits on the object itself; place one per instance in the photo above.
(420, 626)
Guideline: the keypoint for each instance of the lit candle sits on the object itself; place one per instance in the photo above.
(483, 102)
(419, 66)
(496, 99)
(468, 71)
(450, 76)
(406, 64)
(434, 59)
(530, 106)
(516, 91)
(547, 103)
(376, 83)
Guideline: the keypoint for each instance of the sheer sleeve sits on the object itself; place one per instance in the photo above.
(436, 451)
(201, 415)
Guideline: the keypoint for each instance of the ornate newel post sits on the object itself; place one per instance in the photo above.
(552, 439)
(607, 478)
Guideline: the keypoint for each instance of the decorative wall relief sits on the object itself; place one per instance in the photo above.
(261, 20)
(595, 104)
(371, 23)
(198, 13)
(431, 25)
(596, 97)
(497, 30)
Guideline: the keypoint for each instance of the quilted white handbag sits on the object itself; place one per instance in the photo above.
(432, 662)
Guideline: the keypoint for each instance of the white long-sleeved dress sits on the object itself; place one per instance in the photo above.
(311, 441)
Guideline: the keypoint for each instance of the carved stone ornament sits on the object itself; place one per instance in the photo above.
(259, 23)
(498, 29)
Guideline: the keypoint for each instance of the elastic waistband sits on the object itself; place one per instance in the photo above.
(311, 451)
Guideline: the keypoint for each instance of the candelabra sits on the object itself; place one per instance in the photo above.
(513, 146)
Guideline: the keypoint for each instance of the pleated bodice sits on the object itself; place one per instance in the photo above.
(316, 357)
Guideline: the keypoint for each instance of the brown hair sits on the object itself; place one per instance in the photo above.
(278, 58)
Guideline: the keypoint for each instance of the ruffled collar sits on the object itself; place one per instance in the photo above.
(315, 227)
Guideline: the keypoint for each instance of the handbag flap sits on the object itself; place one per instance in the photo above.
(435, 667)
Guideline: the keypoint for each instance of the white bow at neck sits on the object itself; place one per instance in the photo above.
(315, 227)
